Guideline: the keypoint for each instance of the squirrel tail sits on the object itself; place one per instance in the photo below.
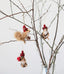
(18, 35)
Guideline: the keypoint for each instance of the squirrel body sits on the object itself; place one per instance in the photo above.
(21, 36)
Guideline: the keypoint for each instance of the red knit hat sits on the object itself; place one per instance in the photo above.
(19, 58)
(44, 27)
(22, 54)
(24, 28)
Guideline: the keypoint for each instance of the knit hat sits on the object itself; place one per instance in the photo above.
(45, 27)
(24, 28)
(22, 54)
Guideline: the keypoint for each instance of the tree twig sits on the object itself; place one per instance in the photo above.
(58, 4)
(15, 14)
(10, 41)
(54, 40)
(11, 8)
(7, 42)
(55, 17)
(24, 7)
(19, 7)
(54, 58)
(57, 51)
(57, 47)
(60, 46)
(54, 64)
(43, 14)
(56, 27)
(14, 19)
(41, 40)
(36, 38)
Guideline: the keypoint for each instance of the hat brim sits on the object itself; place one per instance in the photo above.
(45, 28)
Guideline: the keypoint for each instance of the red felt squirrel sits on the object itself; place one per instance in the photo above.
(22, 36)
(22, 59)
(45, 33)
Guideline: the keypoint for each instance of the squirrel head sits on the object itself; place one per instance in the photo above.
(28, 30)
(25, 29)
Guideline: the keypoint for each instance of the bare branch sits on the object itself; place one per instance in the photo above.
(43, 14)
(33, 23)
(41, 40)
(54, 42)
(10, 41)
(56, 27)
(24, 7)
(52, 59)
(16, 6)
(57, 51)
(59, 44)
(55, 17)
(53, 20)
(58, 4)
(54, 64)
(15, 14)
(36, 37)
(14, 19)
(11, 8)
(19, 8)
(55, 38)
(56, 14)
(7, 42)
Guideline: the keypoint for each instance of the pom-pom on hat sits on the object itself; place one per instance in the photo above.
(45, 27)
(24, 28)
(19, 58)
(22, 54)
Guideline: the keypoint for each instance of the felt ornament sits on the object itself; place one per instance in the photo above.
(19, 58)
(22, 36)
(23, 62)
(22, 59)
(45, 33)
(28, 37)
(45, 27)
(24, 28)
(22, 54)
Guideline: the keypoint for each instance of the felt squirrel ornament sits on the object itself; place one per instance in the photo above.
(45, 33)
(22, 36)
(22, 59)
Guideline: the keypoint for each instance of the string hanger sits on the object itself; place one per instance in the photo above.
(23, 18)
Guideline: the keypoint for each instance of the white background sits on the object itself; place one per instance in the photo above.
(10, 52)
